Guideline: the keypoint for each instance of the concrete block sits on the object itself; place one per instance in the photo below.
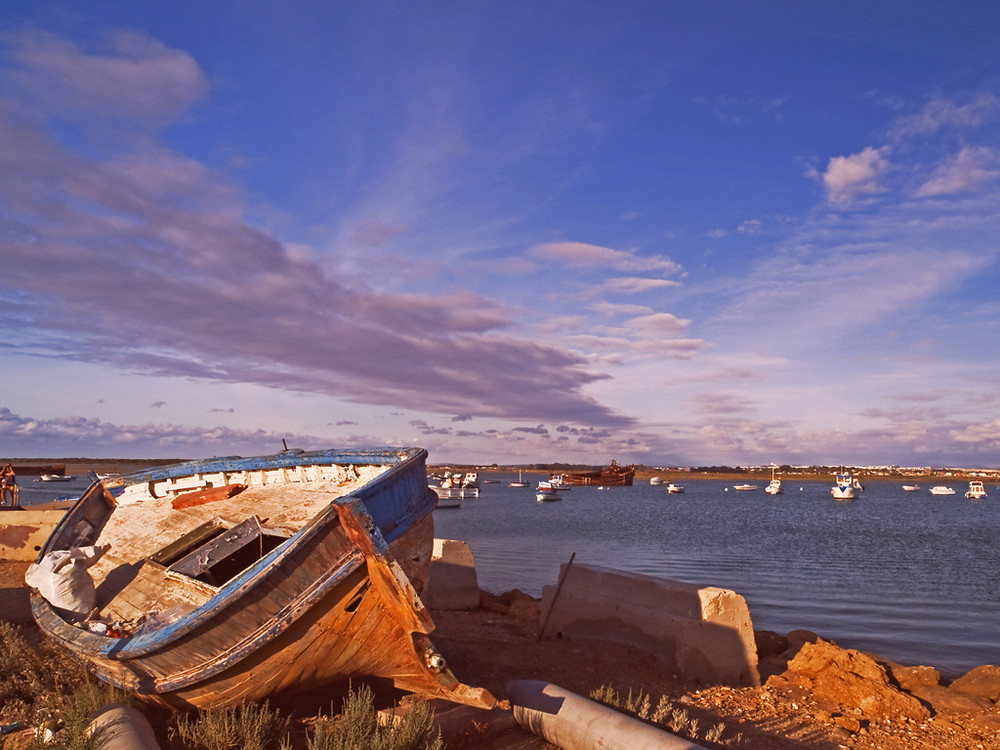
(452, 583)
(703, 633)
(23, 531)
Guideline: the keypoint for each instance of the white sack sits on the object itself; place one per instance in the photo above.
(63, 579)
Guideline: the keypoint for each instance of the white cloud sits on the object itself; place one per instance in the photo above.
(847, 177)
(939, 114)
(584, 255)
(634, 285)
(612, 309)
(987, 434)
(966, 170)
(661, 324)
(750, 226)
(133, 77)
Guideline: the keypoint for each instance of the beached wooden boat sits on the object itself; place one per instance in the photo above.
(611, 475)
(236, 579)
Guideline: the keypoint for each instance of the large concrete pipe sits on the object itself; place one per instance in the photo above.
(121, 727)
(576, 723)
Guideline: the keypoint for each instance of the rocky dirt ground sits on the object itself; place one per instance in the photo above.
(815, 694)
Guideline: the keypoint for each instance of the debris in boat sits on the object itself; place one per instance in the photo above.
(200, 497)
(63, 579)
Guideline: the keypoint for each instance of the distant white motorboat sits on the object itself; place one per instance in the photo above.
(655, 481)
(453, 488)
(745, 487)
(558, 483)
(448, 497)
(911, 487)
(546, 493)
(976, 490)
(674, 488)
(774, 486)
(942, 490)
(56, 478)
(847, 487)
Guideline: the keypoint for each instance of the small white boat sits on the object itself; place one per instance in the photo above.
(745, 487)
(976, 490)
(847, 487)
(56, 478)
(453, 486)
(546, 493)
(520, 481)
(448, 497)
(655, 481)
(557, 483)
(674, 488)
(774, 486)
(911, 487)
(942, 490)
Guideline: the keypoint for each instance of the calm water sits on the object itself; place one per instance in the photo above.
(34, 491)
(909, 576)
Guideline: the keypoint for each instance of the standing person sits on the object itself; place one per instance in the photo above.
(8, 485)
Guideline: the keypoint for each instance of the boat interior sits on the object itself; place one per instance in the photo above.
(174, 543)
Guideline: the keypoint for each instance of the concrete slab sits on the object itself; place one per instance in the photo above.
(453, 583)
(703, 633)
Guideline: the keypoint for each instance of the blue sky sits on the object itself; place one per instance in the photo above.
(664, 232)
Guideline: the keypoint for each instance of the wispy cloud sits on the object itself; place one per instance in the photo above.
(941, 113)
(635, 285)
(128, 76)
(969, 169)
(64, 435)
(141, 260)
(583, 255)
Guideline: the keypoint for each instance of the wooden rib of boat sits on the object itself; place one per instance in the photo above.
(307, 575)
(611, 475)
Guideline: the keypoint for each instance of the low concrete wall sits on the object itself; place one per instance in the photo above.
(452, 583)
(24, 531)
(703, 633)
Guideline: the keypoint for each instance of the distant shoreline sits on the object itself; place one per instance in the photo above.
(77, 466)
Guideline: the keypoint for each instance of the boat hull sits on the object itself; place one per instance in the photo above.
(844, 493)
(612, 475)
(336, 601)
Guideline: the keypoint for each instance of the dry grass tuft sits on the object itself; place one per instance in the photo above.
(358, 728)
